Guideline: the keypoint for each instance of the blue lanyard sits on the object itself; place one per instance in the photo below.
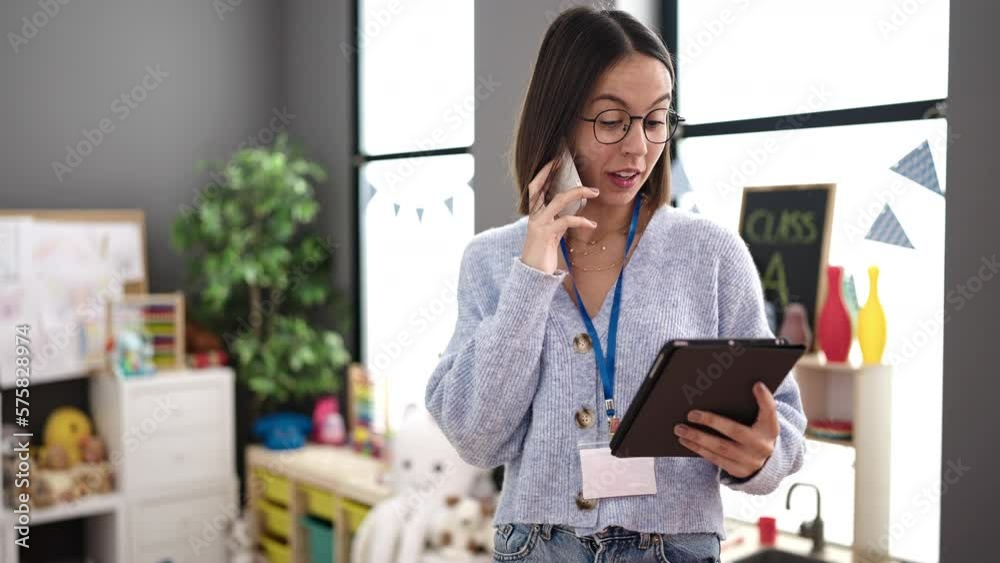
(606, 365)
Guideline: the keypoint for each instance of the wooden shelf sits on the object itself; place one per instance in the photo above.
(348, 477)
(335, 469)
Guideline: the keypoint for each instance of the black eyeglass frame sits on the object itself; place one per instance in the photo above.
(676, 125)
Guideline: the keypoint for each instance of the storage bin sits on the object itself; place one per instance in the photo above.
(355, 514)
(276, 551)
(276, 488)
(319, 537)
(319, 503)
(275, 519)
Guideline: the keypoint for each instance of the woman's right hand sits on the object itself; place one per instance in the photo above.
(541, 247)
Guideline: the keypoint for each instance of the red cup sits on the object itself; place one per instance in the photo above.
(767, 526)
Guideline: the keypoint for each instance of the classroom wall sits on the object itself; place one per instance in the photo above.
(205, 77)
(319, 85)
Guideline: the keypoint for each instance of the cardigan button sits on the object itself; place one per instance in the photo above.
(581, 343)
(584, 418)
(585, 503)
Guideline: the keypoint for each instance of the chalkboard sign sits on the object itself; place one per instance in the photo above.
(787, 229)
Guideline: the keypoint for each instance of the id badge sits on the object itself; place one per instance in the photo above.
(605, 475)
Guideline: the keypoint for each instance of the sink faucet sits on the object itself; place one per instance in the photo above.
(814, 529)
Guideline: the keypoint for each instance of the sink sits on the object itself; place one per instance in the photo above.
(777, 556)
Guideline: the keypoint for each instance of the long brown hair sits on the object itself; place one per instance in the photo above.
(579, 46)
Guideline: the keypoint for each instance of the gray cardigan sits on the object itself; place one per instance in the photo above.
(509, 386)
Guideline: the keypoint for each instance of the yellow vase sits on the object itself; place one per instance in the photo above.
(871, 323)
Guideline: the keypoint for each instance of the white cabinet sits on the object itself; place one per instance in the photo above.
(189, 529)
(174, 435)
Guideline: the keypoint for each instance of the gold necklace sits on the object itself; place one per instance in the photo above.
(588, 245)
(635, 244)
(604, 268)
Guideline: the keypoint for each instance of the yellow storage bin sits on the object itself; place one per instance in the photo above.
(276, 488)
(319, 503)
(275, 519)
(355, 514)
(276, 551)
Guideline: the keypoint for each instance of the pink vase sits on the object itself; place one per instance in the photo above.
(834, 324)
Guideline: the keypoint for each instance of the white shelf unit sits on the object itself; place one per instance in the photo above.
(93, 505)
(861, 394)
(41, 377)
(171, 438)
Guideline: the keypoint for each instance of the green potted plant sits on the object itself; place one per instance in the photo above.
(261, 273)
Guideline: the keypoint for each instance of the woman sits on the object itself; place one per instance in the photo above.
(522, 382)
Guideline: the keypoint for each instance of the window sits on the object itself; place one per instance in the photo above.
(785, 92)
(858, 158)
(414, 81)
(742, 59)
(415, 212)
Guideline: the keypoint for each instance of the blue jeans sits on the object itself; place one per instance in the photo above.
(538, 543)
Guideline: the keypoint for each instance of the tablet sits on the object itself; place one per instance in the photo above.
(709, 375)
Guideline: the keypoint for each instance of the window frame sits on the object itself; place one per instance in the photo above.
(886, 113)
(358, 160)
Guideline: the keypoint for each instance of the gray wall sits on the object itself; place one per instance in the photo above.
(971, 379)
(508, 35)
(319, 89)
(222, 83)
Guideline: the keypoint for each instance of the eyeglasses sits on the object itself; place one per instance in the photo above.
(612, 125)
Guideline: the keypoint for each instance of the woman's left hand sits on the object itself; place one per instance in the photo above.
(748, 447)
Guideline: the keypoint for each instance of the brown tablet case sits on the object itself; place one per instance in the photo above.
(708, 375)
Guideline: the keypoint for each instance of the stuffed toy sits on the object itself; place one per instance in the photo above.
(94, 475)
(425, 470)
(66, 428)
(93, 479)
(56, 458)
(461, 530)
(328, 423)
(132, 353)
(240, 543)
(203, 347)
(72, 464)
(93, 450)
(197, 338)
(55, 481)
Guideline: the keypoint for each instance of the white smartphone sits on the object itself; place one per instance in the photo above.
(567, 178)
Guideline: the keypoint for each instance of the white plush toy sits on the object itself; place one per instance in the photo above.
(239, 544)
(461, 530)
(425, 470)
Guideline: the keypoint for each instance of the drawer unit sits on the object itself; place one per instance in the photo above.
(319, 503)
(172, 439)
(192, 528)
(174, 460)
(274, 519)
(275, 488)
(171, 431)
